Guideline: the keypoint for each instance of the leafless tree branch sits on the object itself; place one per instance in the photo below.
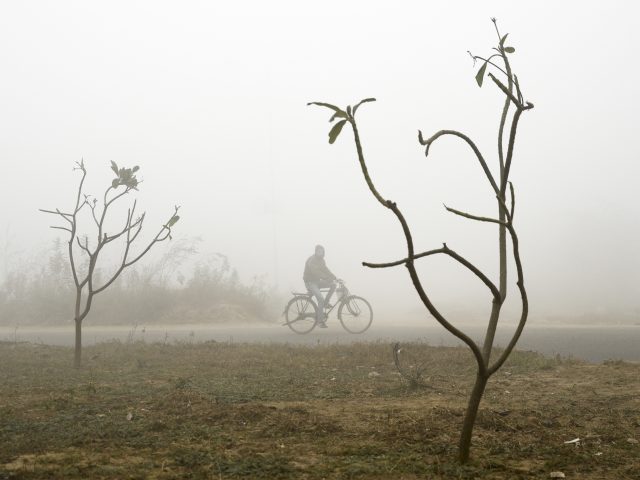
(469, 142)
(513, 200)
(66, 216)
(451, 253)
(61, 228)
(506, 91)
(162, 235)
(84, 247)
(525, 304)
(410, 250)
(473, 217)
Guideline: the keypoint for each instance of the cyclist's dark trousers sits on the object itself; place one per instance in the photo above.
(314, 288)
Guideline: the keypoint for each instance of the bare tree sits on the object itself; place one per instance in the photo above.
(86, 283)
(498, 61)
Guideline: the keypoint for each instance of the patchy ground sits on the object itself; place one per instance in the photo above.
(218, 410)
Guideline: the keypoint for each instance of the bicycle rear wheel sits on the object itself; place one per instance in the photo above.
(355, 314)
(300, 314)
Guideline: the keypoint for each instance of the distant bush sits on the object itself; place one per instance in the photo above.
(41, 291)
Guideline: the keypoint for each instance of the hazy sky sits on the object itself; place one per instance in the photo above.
(209, 98)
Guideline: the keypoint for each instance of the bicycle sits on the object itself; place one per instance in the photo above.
(354, 312)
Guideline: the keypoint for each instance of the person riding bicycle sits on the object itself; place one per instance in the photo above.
(316, 276)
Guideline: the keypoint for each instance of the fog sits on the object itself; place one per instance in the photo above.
(209, 99)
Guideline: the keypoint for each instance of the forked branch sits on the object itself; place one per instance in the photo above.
(451, 253)
(525, 303)
(473, 217)
(410, 254)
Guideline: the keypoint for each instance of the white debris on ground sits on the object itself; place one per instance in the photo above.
(575, 441)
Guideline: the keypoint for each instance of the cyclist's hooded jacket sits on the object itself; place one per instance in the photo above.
(316, 271)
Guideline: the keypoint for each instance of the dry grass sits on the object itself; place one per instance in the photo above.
(217, 410)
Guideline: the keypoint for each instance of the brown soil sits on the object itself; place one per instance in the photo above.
(218, 410)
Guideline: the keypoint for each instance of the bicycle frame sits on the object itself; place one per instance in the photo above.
(344, 292)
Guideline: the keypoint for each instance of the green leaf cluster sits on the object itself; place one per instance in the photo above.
(506, 49)
(125, 176)
(502, 50)
(345, 115)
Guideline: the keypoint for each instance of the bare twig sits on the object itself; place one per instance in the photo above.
(61, 228)
(506, 91)
(473, 217)
(84, 247)
(469, 142)
(513, 200)
(446, 251)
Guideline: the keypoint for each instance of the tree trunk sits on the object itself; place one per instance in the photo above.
(78, 321)
(470, 417)
(491, 331)
(78, 352)
(495, 309)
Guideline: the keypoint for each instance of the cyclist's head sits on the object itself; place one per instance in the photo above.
(319, 251)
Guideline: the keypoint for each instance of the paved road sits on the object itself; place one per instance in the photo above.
(593, 344)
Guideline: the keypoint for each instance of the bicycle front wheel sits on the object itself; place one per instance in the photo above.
(355, 314)
(301, 314)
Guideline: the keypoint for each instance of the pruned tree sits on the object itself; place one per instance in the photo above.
(87, 283)
(486, 366)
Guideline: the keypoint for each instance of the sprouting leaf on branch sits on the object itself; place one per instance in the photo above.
(361, 102)
(173, 221)
(328, 105)
(335, 131)
(339, 114)
(502, 40)
(480, 74)
(509, 49)
(114, 167)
